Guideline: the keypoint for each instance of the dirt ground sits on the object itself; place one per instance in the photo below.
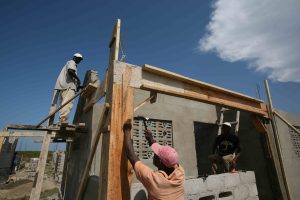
(22, 189)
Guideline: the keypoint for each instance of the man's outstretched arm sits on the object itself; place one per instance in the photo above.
(132, 157)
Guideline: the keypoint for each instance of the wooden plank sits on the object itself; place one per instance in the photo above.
(101, 91)
(1, 143)
(66, 128)
(21, 134)
(278, 165)
(151, 99)
(114, 171)
(174, 76)
(260, 127)
(162, 81)
(117, 181)
(39, 176)
(90, 89)
(83, 180)
(37, 185)
(210, 97)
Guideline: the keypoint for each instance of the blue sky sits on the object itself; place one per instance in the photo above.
(38, 37)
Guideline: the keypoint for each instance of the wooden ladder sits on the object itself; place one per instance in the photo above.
(236, 122)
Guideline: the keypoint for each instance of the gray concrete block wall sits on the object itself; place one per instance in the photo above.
(182, 113)
(238, 186)
(291, 161)
(81, 146)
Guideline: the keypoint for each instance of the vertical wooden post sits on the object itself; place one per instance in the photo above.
(237, 119)
(1, 142)
(39, 176)
(115, 171)
(280, 169)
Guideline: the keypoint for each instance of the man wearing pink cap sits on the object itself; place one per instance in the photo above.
(167, 183)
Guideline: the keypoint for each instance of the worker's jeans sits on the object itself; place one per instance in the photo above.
(65, 95)
(218, 162)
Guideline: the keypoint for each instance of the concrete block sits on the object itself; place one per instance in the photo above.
(252, 198)
(215, 182)
(241, 192)
(194, 186)
(247, 177)
(252, 190)
(231, 180)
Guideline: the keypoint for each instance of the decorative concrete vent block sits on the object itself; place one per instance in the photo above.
(227, 186)
(162, 132)
(295, 141)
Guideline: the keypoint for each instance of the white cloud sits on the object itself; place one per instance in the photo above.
(266, 33)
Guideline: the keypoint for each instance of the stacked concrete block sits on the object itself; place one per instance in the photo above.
(227, 186)
(31, 168)
(58, 165)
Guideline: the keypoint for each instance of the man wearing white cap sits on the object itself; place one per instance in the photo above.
(66, 85)
(226, 150)
(167, 183)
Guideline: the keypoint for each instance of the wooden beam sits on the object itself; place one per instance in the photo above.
(1, 143)
(151, 99)
(260, 127)
(66, 129)
(278, 165)
(39, 175)
(21, 134)
(101, 91)
(162, 81)
(116, 178)
(90, 89)
(115, 173)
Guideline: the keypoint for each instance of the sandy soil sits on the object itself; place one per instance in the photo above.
(19, 190)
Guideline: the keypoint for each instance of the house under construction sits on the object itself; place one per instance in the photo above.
(183, 113)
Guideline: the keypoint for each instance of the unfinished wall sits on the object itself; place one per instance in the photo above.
(290, 147)
(182, 113)
(81, 146)
(193, 147)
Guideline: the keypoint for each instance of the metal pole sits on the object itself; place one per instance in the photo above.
(275, 132)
